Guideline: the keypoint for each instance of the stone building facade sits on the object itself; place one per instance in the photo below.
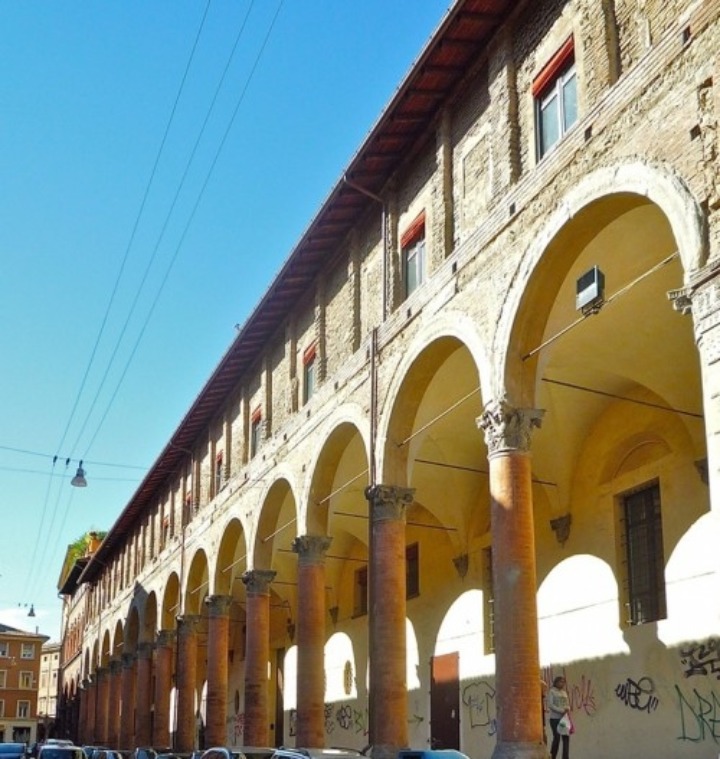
(468, 439)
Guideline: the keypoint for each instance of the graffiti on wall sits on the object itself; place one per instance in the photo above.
(479, 698)
(338, 717)
(638, 694)
(701, 658)
(238, 727)
(699, 716)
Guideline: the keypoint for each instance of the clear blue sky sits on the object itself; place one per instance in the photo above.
(108, 334)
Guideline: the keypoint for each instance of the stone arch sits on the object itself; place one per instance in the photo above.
(197, 584)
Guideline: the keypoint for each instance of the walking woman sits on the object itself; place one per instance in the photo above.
(558, 705)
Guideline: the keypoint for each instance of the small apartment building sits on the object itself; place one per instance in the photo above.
(48, 690)
(20, 660)
(469, 438)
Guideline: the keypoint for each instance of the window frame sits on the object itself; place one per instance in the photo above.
(4, 649)
(23, 709)
(25, 679)
(553, 83)
(255, 432)
(309, 372)
(360, 592)
(643, 554)
(218, 473)
(27, 651)
(413, 252)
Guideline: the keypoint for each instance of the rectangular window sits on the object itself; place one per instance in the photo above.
(360, 606)
(3, 678)
(218, 472)
(644, 555)
(165, 530)
(2, 707)
(555, 93)
(412, 245)
(255, 431)
(412, 571)
(27, 651)
(309, 372)
(23, 709)
(26, 680)
(188, 507)
(3, 649)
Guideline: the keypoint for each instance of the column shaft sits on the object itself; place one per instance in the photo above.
(186, 683)
(217, 669)
(387, 596)
(143, 696)
(311, 640)
(164, 649)
(517, 660)
(127, 709)
(114, 700)
(257, 653)
(103, 704)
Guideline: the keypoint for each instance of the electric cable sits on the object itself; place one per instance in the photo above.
(188, 224)
(166, 222)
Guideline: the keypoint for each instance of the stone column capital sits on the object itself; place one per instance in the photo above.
(115, 666)
(144, 650)
(218, 606)
(508, 428)
(311, 549)
(87, 682)
(258, 581)
(388, 502)
(189, 624)
(165, 638)
(127, 660)
(101, 673)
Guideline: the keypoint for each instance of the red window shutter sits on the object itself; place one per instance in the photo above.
(553, 67)
(413, 231)
(256, 415)
(309, 354)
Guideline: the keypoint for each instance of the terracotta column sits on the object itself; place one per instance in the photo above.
(143, 696)
(103, 703)
(388, 712)
(311, 640)
(217, 669)
(114, 699)
(164, 650)
(83, 720)
(257, 653)
(127, 709)
(517, 661)
(89, 735)
(186, 676)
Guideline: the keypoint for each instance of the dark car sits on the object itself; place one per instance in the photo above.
(56, 751)
(12, 750)
(238, 752)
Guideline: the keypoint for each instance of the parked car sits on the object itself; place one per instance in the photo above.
(241, 752)
(12, 750)
(60, 751)
(316, 753)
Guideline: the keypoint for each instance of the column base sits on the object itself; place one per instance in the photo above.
(517, 750)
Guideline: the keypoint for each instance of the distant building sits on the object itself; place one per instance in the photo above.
(20, 657)
(48, 689)
(74, 620)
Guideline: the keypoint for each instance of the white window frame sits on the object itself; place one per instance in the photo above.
(27, 651)
(23, 709)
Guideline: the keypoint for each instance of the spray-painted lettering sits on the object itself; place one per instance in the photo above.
(638, 694)
(699, 716)
(701, 658)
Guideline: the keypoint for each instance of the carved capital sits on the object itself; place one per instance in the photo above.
(218, 606)
(144, 650)
(258, 581)
(311, 549)
(189, 624)
(127, 661)
(388, 502)
(508, 428)
(115, 667)
(165, 638)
